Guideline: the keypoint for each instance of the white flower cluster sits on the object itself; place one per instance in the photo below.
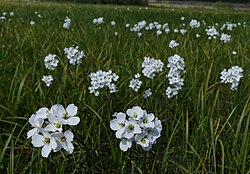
(48, 125)
(228, 26)
(140, 127)
(225, 37)
(135, 83)
(47, 80)
(74, 55)
(51, 61)
(194, 23)
(98, 21)
(173, 44)
(67, 23)
(102, 79)
(147, 93)
(212, 32)
(151, 66)
(232, 75)
(176, 67)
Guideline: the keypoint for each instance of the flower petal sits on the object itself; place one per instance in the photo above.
(72, 110)
(46, 150)
(37, 140)
(73, 121)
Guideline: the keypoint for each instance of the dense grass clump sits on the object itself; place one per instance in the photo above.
(205, 127)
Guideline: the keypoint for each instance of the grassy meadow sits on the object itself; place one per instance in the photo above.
(205, 127)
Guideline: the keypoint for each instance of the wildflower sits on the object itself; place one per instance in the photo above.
(140, 127)
(67, 23)
(234, 52)
(12, 13)
(47, 129)
(225, 37)
(135, 83)
(74, 55)
(51, 61)
(102, 79)
(151, 66)
(173, 44)
(112, 23)
(232, 75)
(32, 22)
(147, 93)
(66, 116)
(47, 80)
(176, 67)
(98, 21)
(194, 23)
(47, 141)
(212, 32)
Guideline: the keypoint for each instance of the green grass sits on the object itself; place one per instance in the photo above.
(205, 128)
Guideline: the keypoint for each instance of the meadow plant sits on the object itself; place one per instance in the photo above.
(48, 128)
(74, 55)
(136, 126)
(102, 79)
(232, 75)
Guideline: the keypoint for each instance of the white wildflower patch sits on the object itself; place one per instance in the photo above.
(176, 67)
(225, 37)
(102, 79)
(98, 21)
(147, 93)
(232, 75)
(135, 83)
(136, 125)
(74, 55)
(173, 44)
(48, 128)
(194, 23)
(151, 66)
(67, 23)
(47, 80)
(212, 32)
(51, 61)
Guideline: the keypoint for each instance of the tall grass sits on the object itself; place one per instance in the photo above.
(205, 128)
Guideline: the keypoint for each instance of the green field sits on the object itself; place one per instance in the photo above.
(205, 128)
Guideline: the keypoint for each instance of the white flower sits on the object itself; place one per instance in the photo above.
(225, 37)
(127, 25)
(46, 141)
(135, 113)
(197, 35)
(67, 23)
(173, 44)
(151, 66)
(32, 22)
(158, 32)
(212, 32)
(140, 127)
(98, 21)
(36, 123)
(125, 144)
(47, 80)
(234, 52)
(74, 55)
(54, 126)
(182, 18)
(12, 13)
(176, 67)
(51, 61)
(147, 93)
(194, 23)
(183, 31)
(65, 139)
(118, 124)
(112, 23)
(102, 79)
(131, 128)
(116, 33)
(232, 75)
(66, 116)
